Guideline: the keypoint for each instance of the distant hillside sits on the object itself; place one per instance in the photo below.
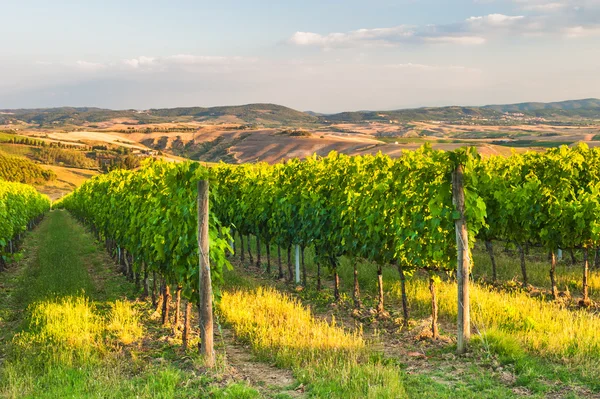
(23, 170)
(417, 114)
(587, 108)
(62, 115)
(272, 114)
(251, 114)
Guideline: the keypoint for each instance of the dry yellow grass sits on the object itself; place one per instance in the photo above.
(335, 362)
(277, 325)
(67, 179)
(544, 328)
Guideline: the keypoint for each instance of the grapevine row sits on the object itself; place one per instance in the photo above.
(21, 206)
(387, 211)
(147, 220)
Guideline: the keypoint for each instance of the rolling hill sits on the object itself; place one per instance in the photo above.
(586, 108)
(277, 115)
(264, 114)
(589, 103)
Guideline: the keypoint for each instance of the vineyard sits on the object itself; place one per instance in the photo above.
(386, 242)
(21, 207)
(392, 214)
(23, 171)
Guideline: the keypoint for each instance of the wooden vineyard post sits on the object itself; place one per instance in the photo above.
(297, 264)
(204, 283)
(462, 271)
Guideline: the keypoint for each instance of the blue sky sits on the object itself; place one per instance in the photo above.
(325, 56)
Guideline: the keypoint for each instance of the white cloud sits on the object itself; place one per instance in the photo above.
(89, 66)
(189, 59)
(378, 36)
(472, 31)
(476, 30)
(466, 40)
(139, 62)
(546, 7)
(156, 64)
(495, 19)
(385, 37)
(426, 67)
(575, 32)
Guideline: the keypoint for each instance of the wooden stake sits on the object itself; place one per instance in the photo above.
(523, 267)
(186, 325)
(462, 270)
(586, 299)
(553, 276)
(205, 287)
(490, 249)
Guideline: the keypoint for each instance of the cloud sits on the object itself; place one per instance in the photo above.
(426, 67)
(544, 6)
(495, 20)
(475, 30)
(139, 62)
(552, 5)
(575, 32)
(189, 59)
(89, 66)
(472, 31)
(382, 37)
(466, 40)
(379, 36)
(188, 62)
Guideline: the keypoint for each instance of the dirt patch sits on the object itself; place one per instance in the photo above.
(242, 366)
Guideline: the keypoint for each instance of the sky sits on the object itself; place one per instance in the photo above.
(324, 56)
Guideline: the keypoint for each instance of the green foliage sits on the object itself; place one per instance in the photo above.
(549, 198)
(72, 158)
(19, 204)
(152, 214)
(23, 170)
(371, 207)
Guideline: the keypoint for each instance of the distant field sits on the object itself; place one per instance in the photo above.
(191, 134)
(18, 150)
(67, 179)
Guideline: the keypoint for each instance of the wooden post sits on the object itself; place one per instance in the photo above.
(297, 264)
(204, 283)
(586, 300)
(462, 270)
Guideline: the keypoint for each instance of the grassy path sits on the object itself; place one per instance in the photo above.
(60, 252)
(505, 360)
(71, 328)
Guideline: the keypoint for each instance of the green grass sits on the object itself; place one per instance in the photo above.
(532, 143)
(568, 276)
(68, 328)
(332, 361)
(17, 150)
(543, 343)
(282, 331)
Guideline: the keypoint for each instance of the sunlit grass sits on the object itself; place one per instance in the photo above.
(278, 326)
(568, 276)
(545, 328)
(123, 322)
(335, 362)
(70, 330)
(62, 331)
(56, 342)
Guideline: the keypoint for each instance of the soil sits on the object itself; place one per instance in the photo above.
(263, 376)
